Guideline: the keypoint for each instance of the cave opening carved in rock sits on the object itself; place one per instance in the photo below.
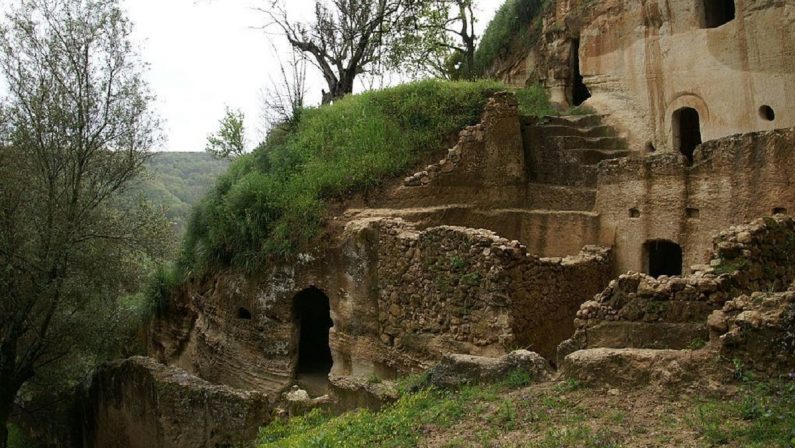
(313, 321)
(687, 131)
(718, 12)
(580, 91)
(662, 257)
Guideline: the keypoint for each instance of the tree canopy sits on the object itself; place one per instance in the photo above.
(77, 126)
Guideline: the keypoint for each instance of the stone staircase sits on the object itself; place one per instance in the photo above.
(565, 151)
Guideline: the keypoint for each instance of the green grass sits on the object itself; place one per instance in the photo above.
(515, 28)
(398, 425)
(762, 415)
(273, 202)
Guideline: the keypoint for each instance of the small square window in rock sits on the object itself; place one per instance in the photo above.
(692, 213)
(634, 213)
(779, 211)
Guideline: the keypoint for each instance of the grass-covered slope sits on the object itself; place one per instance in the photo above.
(274, 200)
(556, 415)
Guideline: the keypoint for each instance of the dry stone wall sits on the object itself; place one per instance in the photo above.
(458, 290)
(636, 310)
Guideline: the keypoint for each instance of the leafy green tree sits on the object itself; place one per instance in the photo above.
(347, 38)
(444, 41)
(76, 128)
(230, 140)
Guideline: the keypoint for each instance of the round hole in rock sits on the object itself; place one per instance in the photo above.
(243, 313)
(650, 147)
(779, 211)
(766, 113)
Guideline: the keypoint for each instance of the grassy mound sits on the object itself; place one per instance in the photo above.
(514, 28)
(273, 201)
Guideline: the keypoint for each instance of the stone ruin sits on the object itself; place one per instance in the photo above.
(521, 237)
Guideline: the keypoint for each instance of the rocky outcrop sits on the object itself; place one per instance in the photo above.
(631, 367)
(140, 403)
(758, 330)
(458, 370)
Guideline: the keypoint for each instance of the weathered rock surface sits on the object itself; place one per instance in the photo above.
(140, 403)
(758, 330)
(456, 370)
(632, 367)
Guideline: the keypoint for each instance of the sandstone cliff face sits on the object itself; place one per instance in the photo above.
(643, 61)
(139, 403)
(732, 181)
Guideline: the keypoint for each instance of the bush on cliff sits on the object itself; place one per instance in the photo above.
(273, 200)
(514, 29)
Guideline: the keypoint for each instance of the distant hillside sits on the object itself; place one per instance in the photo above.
(178, 180)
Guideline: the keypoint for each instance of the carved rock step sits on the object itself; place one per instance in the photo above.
(559, 197)
(591, 156)
(575, 120)
(556, 130)
(631, 367)
(592, 142)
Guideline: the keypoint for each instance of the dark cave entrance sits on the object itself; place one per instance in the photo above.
(579, 92)
(313, 319)
(663, 257)
(687, 131)
(718, 12)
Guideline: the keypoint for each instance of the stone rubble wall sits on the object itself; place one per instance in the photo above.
(459, 290)
(759, 330)
(636, 310)
(140, 403)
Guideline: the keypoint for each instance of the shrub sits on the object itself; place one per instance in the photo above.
(162, 284)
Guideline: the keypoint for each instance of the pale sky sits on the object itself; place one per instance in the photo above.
(208, 54)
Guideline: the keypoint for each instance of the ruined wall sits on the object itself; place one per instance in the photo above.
(733, 180)
(642, 61)
(139, 403)
(458, 290)
(639, 311)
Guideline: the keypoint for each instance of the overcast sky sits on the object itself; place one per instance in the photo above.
(208, 54)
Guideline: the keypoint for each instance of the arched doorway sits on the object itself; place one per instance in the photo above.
(313, 321)
(662, 257)
(580, 91)
(687, 131)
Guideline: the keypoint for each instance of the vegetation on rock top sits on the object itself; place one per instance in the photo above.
(514, 30)
(273, 201)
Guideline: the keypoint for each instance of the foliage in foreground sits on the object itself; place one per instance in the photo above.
(273, 200)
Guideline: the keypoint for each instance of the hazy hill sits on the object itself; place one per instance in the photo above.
(178, 180)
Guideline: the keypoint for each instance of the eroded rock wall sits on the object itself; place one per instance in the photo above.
(732, 180)
(639, 311)
(140, 403)
(642, 61)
